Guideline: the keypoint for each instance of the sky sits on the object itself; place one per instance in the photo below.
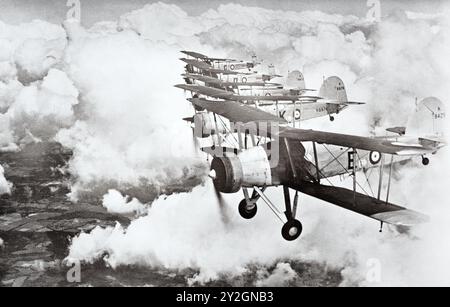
(18, 11)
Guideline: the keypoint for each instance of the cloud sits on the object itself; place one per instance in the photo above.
(129, 131)
(281, 276)
(115, 202)
(126, 134)
(5, 185)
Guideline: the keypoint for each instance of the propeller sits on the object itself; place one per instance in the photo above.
(220, 200)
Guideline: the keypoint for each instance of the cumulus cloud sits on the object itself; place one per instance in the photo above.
(186, 231)
(129, 131)
(126, 133)
(43, 108)
(379, 64)
(5, 185)
(115, 202)
(29, 50)
(281, 276)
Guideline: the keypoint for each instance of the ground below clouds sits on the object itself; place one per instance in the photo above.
(37, 222)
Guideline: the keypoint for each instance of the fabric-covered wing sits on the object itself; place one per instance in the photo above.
(352, 141)
(197, 63)
(345, 102)
(212, 80)
(363, 204)
(275, 98)
(202, 78)
(205, 90)
(206, 67)
(204, 57)
(235, 112)
(195, 54)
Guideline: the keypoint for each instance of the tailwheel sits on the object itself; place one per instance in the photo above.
(332, 118)
(291, 230)
(425, 161)
(247, 212)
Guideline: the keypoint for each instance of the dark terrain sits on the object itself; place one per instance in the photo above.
(37, 221)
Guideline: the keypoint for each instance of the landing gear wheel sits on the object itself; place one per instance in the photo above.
(332, 118)
(291, 230)
(247, 213)
(425, 161)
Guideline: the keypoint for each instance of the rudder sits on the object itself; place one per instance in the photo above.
(333, 89)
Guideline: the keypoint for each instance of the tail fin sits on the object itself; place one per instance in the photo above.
(333, 88)
(428, 118)
(295, 80)
(271, 70)
(254, 59)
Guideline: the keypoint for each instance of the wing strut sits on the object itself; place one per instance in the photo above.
(389, 180)
(316, 162)
(217, 130)
(355, 156)
(380, 182)
(287, 201)
(291, 163)
(269, 204)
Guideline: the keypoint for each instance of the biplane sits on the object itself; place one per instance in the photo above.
(229, 83)
(294, 85)
(280, 155)
(224, 64)
(293, 106)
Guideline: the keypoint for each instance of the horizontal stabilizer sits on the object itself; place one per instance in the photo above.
(354, 102)
(363, 204)
(432, 142)
(345, 102)
(398, 130)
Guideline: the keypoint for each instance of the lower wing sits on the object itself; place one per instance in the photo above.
(363, 204)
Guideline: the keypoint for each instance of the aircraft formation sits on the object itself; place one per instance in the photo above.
(252, 126)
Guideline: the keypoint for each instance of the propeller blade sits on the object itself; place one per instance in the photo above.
(222, 206)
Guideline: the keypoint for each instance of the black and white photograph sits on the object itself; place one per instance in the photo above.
(224, 149)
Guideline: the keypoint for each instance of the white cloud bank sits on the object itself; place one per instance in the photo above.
(126, 133)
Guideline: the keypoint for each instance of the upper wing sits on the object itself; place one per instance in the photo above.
(206, 67)
(213, 80)
(205, 90)
(353, 141)
(197, 63)
(363, 204)
(219, 93)
(275, 98)
(202, 78)
(243, 114)
(344, 102)
(203, 57)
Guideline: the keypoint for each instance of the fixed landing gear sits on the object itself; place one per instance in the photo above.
(425, 161)
(291, 230)
(246, 211)
(331, 118)
(247, 207)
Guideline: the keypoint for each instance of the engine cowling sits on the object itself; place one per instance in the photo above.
(249, 168)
